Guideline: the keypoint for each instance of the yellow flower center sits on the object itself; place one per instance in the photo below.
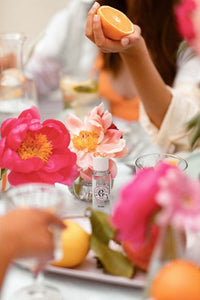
(35, 145)
(85, 140)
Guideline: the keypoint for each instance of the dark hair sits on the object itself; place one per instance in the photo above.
(158, 25)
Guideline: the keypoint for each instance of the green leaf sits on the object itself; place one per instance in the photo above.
(194, 126)
(101, 227)
(77, 185)
(193, 122)
(113, 262)
(2, 173)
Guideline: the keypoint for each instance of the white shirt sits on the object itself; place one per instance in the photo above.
(63, 46)
(171, 136)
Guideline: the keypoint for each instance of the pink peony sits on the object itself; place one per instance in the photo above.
(95, 134)
(187, 14)
(178, 196)
(35, 151)
(135, 211)
(183, 13)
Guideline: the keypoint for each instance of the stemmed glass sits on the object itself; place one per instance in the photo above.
(45, 197)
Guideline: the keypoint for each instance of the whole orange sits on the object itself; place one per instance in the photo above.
(115, 24)
(177, 280)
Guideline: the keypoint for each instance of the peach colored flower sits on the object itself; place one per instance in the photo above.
(35, 151)
(95, 134)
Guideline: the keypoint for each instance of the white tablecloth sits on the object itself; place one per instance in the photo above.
(76, 288)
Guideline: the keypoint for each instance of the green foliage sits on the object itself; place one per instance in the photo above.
(3, 171)
(194, 126)
(112, 261)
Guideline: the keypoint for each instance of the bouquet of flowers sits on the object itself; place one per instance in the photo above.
(157, 198)
(36, 152)
(96, 134)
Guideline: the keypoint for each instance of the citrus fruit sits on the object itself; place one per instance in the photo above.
(178, 280)
(115, 24)
(141, 255)
(75, 245)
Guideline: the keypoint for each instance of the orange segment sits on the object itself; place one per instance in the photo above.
(115, 24)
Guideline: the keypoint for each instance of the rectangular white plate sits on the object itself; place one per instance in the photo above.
(88, 270)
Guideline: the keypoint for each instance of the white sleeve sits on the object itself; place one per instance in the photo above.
(56, 33)
(185, 104)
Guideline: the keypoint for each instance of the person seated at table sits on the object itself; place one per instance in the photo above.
(25, 233)
(68, 50)
(63, 48)
(163, 70)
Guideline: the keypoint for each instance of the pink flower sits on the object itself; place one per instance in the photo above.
(95, 134)
(187, 13)
(179, 197)
(133, 216)
(183, 12)
(35, 151)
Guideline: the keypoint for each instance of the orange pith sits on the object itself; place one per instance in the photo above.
(115, 23)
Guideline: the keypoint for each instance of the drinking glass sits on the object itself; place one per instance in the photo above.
(17, 93)
(45, 197)
(79, 95)
(11, 50)
(152, 159)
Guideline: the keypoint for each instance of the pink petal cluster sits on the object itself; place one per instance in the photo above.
(95, 134)
(187, 14)
(179, 197)
(183, 12)
(134, 213)
(35, 151)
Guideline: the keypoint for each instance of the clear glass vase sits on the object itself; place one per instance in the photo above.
(170, 245)
(82, 189)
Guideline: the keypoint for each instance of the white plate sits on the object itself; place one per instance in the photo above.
(193, 169)
(88, 270)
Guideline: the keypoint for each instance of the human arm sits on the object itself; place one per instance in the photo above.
(25, 233)
(172, 136)
(149, 84)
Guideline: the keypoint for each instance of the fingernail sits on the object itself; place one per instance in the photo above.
(125, 42)
(96, 18)
(95, 5)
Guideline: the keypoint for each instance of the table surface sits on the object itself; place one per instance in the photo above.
(70, 287)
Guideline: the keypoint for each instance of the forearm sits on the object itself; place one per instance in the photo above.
(152, 90)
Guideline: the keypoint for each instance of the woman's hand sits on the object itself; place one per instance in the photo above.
(95, 33)
(26, 233)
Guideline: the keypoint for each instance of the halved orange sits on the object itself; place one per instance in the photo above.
(115, 24)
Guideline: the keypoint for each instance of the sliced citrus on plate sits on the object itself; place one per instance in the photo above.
(115, 24)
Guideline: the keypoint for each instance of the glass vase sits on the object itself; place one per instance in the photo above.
(82, 189)
(170, 245)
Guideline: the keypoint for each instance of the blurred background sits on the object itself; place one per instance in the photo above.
(28, 16)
